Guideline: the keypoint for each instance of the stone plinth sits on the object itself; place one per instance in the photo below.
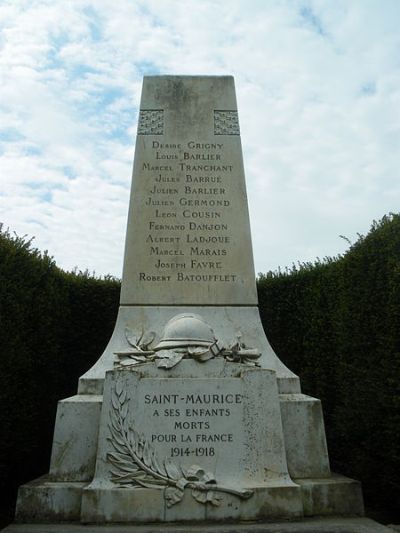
(211, 441)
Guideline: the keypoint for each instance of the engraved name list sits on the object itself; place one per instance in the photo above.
(187, 207)
(190, 237)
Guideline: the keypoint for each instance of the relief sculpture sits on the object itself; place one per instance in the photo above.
(135, 462)
(151, 122)
(226, 123)
(185, 336)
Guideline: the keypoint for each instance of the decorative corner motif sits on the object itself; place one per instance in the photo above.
(226, 123)
(135, 463)
(151, 122)
(185, 336)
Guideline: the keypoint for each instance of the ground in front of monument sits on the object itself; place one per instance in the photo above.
(310, 525)
(189, 417)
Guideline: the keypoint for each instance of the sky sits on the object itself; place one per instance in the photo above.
(318, 90)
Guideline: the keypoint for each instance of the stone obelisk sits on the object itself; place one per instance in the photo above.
(188, 414)
(188, 242)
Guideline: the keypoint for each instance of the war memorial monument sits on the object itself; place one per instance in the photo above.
(188, 415)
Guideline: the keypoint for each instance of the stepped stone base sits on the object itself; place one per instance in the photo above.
(44, 501)
(78, 491)
(310, 525)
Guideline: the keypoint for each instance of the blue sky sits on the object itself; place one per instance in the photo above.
(318, 87)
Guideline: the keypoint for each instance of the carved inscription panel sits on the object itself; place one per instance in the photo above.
(188, 239)
(164, 428)
(193, 423)
(188, 211)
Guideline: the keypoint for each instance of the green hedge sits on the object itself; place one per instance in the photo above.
(53, 327)
(336, 323)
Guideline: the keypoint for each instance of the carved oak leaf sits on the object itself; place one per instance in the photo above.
(133, 337)
(173, 495)
(196, 473)
(213, 498)
(171, 361)
(140, 341)
(163, 354)
(147, 338)
(199, 495)
(208, 477)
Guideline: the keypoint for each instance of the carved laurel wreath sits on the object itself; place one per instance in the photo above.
(135, 463)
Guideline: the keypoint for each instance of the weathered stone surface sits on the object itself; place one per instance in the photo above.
(200, 420)
(73, 456)
(188, 238)
(224, 427)
(336, 495)
(189, 507)
(45, 501)
(228, 323)
(274, 501)
(100, 504)
(304, 431)
(310, 525)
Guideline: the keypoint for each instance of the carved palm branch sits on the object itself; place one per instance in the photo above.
(135, 462)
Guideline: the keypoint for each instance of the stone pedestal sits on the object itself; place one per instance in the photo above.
(188, 415)
(201, 445)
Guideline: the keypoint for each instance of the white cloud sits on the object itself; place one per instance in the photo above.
(318, 88)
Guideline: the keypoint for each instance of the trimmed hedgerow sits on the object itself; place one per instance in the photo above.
(53, 327)
(336, 323)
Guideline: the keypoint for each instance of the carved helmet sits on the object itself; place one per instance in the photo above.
(184, 330)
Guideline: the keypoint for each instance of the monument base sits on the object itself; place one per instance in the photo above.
(138, 506)
(44, 501)
(271, 463)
